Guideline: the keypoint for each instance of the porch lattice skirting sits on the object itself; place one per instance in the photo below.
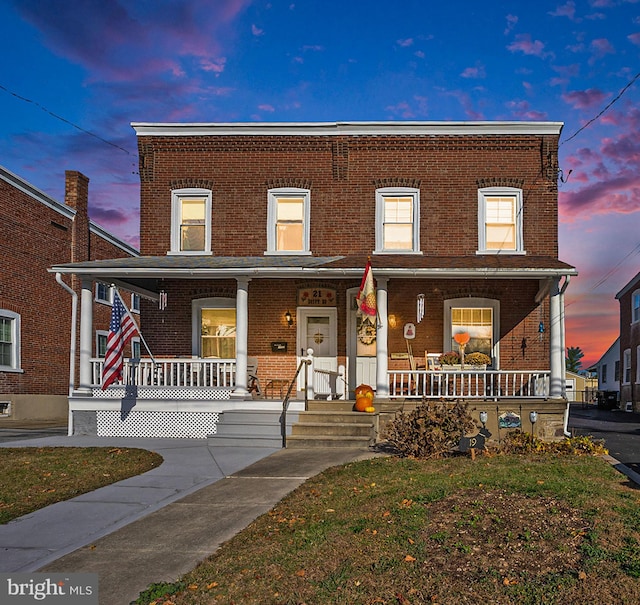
(161, 424)
(122, 392)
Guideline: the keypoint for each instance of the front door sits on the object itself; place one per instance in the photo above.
(361, 347)
(318, 330)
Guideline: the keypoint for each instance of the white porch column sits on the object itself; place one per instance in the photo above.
(556, 339)
(86, 336)
(382, 339)
(242, 337)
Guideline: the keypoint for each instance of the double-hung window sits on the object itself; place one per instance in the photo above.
(191, 221)
(397, 220)
(104, 293)
(500, 220)
(9, 340)
(288, 211)
(626, 366)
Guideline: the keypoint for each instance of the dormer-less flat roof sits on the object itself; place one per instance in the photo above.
(345, 128)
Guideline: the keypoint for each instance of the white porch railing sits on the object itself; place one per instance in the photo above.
(172, 372)
(469, 384)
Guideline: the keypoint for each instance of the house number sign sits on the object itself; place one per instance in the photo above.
(316, 297)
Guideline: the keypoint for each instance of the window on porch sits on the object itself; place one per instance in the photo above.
(218, 333)
(478, 323)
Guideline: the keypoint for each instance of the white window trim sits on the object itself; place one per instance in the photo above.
(196, 315)
(104, 301)
(483, 194)
(177, 195)
(626, 367)
(637, 381)
(15, 320)
(635, 294)
(381, 194)
(135, 308)
(135, 341)
(460, 303)
(99, 333)
(273, 195)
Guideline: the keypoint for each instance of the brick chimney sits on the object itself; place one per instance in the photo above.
(76, 196)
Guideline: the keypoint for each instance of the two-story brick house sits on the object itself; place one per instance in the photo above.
(629, 299)
(254, 239)
(36, 232)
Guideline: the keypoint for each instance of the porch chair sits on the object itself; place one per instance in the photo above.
(253, 382)
(432, 361)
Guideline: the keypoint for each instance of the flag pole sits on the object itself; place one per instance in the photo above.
(142, 340)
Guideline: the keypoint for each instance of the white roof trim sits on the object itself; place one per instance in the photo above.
(344, 128)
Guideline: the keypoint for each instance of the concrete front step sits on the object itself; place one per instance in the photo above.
(313, 441)
(258, 428)
(335, 416)
(332, 429)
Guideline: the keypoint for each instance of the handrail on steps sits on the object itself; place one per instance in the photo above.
(285, 402)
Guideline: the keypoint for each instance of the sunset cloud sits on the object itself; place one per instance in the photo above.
(524, 44)
(584, 99)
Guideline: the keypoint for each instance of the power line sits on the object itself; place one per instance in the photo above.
(57, 117)
(603, 110)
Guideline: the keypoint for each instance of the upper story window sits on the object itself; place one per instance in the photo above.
(500, 220)
(397, 220)
(190, 221)
(9, 340)
(288, 211)
(104, 293)
(635, 306)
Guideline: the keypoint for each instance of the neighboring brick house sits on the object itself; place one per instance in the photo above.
(629, 298)
(37, 232)
(254, 239)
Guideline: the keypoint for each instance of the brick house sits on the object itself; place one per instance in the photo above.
(629, 298)
(254, 239)
(36, 232)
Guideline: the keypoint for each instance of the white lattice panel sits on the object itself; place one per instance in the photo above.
(217, 394)
(172, 425)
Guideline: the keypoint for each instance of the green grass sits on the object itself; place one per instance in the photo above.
(33, 478)
(502, 529)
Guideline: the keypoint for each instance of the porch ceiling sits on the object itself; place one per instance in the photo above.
(144, 271)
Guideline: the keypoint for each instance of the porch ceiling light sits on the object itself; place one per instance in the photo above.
(288, 318)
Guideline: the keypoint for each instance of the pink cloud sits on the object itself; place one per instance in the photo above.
(512, 21)
(525, 45)
(405, 42)
(634, 38)
(566, 10)
(266, 107)
(474, 72)
(602, 46)
(584, 99)
(256, 31)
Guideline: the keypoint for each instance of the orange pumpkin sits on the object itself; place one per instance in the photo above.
(362, 403)
(364, 390)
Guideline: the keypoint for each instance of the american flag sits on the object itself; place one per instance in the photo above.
(121, 330)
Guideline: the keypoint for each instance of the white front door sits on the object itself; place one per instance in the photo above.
(318, 330)
(361, 347)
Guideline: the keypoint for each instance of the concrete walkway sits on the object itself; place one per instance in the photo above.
(159, 525)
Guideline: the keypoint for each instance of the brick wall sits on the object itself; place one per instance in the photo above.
(35, 237)
(629, 339)
(343, 173)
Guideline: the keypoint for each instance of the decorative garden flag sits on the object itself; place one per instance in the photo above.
(366, 298)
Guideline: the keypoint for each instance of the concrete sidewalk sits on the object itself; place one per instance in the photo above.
(157, 526)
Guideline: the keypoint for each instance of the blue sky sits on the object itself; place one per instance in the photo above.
(75, 74)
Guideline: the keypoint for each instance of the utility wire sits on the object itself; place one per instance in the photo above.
(63, 119)
(603, 110)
